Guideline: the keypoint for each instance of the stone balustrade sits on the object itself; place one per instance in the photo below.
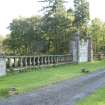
(25, 62)
(99, 56)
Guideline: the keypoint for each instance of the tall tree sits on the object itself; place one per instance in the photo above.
(56, 24)
(52, 7)
(1, 44)
(97, 33)
(81, 12)
(25, 36)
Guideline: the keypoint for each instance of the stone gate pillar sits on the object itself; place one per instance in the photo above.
(2, 66)
(90, 50)
(81, 49)
(74, 47)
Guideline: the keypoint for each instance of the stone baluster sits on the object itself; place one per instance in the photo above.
(34, 61)
(18, 64)
(15, 62)
(54, 59)
(8, 64)
(26, 61)
(57, 59)
(21, 62)
(42, 60)
(51, 59)
(62, 58)
(6, 59)
(38, 61)
(65, 58)
(48, 61)
(12, 61)
(45, 60)
(30, 64)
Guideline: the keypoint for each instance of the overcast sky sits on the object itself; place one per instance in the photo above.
(10, 9)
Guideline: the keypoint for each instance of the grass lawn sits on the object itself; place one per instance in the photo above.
(98, 98)
(28, 81)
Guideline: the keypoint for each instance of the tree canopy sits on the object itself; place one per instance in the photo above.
(52, 32)
(97, 33)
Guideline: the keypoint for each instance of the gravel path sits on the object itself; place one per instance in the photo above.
(67, 92)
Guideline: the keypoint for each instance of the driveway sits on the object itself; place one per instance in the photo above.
(66, 92)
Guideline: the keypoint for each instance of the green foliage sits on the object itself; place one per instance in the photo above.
(57, 26)
(51, 7)
(81, 12)
(97, 33)
(98, 98)
(49, 34)
(1, 44)
(25, 37)
(58, 30)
